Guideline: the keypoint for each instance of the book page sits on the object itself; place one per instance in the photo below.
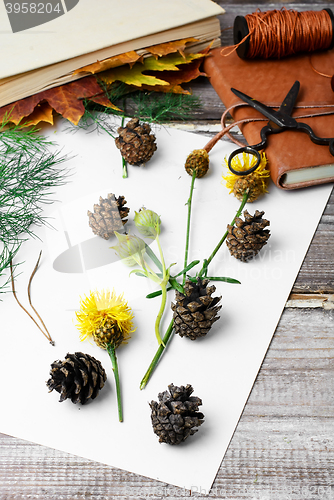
(90, 26)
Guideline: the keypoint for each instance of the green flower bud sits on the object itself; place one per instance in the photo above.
(148, 223)
(130, 249)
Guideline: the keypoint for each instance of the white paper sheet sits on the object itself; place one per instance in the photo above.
(221, 367)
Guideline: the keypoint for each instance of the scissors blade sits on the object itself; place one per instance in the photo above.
(265, 110)
(280, 117)
(289, 102)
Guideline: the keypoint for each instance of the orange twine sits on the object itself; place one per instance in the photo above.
(280, 33)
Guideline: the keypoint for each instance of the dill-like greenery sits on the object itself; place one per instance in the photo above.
(154, 107)
(163, 107)
(28, 173)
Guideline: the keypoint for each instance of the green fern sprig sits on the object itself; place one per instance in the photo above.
(29, 170)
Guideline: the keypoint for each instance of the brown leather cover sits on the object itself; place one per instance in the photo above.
(269, 81)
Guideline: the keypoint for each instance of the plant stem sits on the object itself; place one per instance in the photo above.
(169, 330)
(124, 169)
(124, 163)
(112, 354)
(189, 202)
(207, 262)
(157, 356)
(163, 284)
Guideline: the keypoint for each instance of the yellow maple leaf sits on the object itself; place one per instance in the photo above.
(135, 75)
(130, 76)
(169, 62)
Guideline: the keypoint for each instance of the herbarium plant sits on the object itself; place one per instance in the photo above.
(195, 310)
(132, 250)
(29, 170)
(108, 320)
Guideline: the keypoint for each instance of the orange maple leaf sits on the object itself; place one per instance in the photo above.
(163, 49)
(65, 100)
(112, 62)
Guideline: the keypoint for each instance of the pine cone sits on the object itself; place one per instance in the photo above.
(79, 377)
(197, 160)
(176, 416)
(195, 311)
(109, 216)
(246, 238)
(136, 143)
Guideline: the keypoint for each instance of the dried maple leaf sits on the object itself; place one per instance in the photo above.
(65, 100)
(132, 56)
(112, 62)
(169, 47)
(147, 73)
(130, 76)
(175, 78)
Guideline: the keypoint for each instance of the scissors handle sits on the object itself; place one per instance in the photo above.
(304, 127)
(252, 150)
(247, 149)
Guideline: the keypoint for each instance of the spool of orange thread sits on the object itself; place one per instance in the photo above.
(280, 33)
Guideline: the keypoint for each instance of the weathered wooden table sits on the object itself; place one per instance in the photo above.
(283, 447)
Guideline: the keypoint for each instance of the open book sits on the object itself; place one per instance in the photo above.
(46, 55)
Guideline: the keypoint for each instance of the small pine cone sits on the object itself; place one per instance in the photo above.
(136, 142)
(251, 183)
(197, 160)
(246, 238)
(108, 333)
(79, 377)
(109, 216)
(195, 311)
(176, 416)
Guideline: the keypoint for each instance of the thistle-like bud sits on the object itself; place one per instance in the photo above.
(198, 161)
(130, 249)
(148, 223)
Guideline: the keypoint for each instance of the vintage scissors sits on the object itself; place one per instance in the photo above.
(279, 121)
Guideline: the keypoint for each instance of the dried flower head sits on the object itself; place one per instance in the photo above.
(130, 249)
(106, 318)
(255, 183)
(148, 223)
(198, 161)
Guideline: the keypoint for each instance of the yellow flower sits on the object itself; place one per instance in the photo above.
(256, 183)
(105, 317)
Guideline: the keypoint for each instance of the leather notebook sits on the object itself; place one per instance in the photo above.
(294, 160)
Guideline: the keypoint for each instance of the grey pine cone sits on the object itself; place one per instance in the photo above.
(195, 311)
(246, 238)
(136, 142)
(176, 416)
(79, 377)
(109, 216)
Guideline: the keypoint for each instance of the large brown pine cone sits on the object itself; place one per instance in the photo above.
(195, 310)
(79, 377)
(176, 416)
(246, 238)
(136, 142)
